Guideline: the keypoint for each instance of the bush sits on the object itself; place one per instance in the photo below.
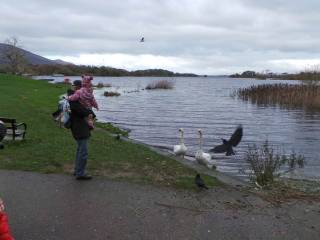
(162, 84)
(102, 85)
(266, 163)
(111, 94)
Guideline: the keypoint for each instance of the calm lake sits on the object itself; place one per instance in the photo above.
(154, 117)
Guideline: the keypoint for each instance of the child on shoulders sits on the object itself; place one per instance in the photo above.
(85, 96)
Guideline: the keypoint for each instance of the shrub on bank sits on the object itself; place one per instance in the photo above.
(265, 162)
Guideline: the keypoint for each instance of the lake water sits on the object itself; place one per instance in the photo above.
(154, 117)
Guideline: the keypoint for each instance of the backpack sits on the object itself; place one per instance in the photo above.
(66, 114)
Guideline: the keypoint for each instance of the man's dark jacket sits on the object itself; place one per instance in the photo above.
(79, 126)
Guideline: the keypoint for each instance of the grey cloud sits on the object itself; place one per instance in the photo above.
(230, 34)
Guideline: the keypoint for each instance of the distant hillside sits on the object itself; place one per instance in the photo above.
(29, 56)
(38, 65)
(76, 70)
(59, 61)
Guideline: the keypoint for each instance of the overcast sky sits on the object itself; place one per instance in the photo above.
(199, 36)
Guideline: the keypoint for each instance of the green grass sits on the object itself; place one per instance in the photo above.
(50, 149)
(112, 129)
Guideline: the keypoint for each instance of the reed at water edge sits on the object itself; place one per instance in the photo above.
(283, 95)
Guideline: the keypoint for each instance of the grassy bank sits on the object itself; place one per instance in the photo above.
(49, 149)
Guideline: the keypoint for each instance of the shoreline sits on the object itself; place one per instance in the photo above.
(221, 176)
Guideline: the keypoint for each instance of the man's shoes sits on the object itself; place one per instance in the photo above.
(84, 177)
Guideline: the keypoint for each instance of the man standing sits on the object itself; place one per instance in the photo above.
(81, 133)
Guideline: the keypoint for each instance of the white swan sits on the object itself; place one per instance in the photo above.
(181, 149)
(202, 157)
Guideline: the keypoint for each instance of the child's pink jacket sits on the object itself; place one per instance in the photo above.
(85, 97)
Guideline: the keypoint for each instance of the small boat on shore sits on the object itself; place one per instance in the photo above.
(57, 75)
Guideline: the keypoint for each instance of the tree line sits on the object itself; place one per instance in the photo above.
(311, 74)
(74, 70)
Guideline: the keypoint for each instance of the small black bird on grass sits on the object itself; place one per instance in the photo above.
(118, 137)
(232, 142)
(199, 182)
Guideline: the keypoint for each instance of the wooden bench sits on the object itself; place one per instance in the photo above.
(13, 128)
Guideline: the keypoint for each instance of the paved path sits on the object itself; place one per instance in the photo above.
(53, 206)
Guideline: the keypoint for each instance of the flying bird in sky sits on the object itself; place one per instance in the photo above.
(228, 144)
(142, 39)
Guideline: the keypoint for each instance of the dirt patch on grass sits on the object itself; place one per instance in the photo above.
(116, 174)
(68, 168)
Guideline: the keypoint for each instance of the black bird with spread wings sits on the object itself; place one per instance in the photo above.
(228, 144)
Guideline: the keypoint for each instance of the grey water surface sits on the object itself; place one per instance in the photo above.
(154, 117)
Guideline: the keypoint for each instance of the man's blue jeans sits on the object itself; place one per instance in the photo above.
(81, 157)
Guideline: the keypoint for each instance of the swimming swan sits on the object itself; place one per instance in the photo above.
(181, 149)
(202, 157)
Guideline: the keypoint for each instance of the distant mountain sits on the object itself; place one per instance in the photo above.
(61, 62)
(39, 65)
(29, 56)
